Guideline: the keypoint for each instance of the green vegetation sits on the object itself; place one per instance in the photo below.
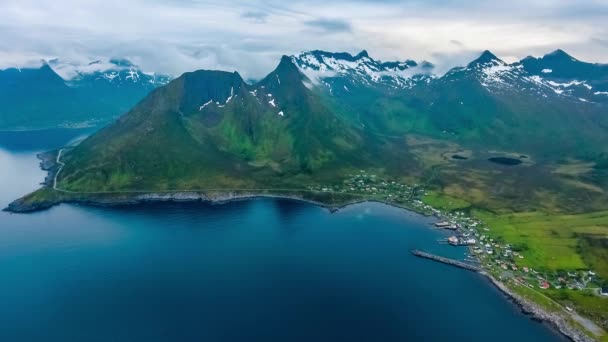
(552, 242)
(445, 202)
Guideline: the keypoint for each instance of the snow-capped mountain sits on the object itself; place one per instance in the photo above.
(536, 77)
(568, 76)
(117, 72)
(554, 75)
(341, 71)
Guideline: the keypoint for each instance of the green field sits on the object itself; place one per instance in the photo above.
(553, 242)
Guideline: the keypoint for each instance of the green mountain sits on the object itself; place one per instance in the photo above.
(490, 102)
(210, 129)
(37, 98)
(294, 130)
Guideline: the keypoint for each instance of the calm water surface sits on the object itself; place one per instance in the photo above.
(260, 270)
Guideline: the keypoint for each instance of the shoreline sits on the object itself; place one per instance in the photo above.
(48, 162)
(527, 307)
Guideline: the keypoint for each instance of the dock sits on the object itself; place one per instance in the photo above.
(446, 260)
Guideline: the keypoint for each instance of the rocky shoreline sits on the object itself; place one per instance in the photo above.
(23, 206)
(536, 312)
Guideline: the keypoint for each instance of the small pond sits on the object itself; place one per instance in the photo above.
(505, 161)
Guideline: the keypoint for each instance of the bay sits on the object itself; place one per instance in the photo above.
(257, 270)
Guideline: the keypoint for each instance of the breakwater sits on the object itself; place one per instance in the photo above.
(446, 260)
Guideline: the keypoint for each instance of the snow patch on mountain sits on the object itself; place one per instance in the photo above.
(114, 71)
(318, 66)
(205, 105)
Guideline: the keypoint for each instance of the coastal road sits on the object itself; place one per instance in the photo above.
(58, 161)
(586, 323)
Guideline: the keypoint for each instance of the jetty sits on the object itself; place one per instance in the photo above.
(448, 261)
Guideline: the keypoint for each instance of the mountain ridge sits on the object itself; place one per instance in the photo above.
(41, 97)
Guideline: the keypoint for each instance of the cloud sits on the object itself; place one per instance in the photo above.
(256, 16)
(600, 41)
(329, 25)
(175, 36)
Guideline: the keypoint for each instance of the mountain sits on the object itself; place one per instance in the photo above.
(293, 129)
(35, 98)
(211, 129)
(118, 73)
(340, 72)
(568, 76)
(362, 90)
(492, 102)
(31, 95)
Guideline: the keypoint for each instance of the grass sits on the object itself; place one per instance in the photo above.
(585, 303)
(444, 202)
(551, 242)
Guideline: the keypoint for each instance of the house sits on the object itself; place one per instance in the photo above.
(604, 291)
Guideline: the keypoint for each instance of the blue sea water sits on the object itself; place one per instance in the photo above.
(258, 270)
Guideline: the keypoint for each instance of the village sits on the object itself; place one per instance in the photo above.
(500, 259)
(506, 261)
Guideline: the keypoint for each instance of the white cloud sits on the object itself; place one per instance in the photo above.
(250, 36)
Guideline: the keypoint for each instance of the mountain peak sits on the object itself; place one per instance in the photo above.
(287, 66)
(362, 54)
(559, 54)
(485, 58)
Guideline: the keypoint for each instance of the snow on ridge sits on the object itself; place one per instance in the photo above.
(110, 76)
(317, 67)
(205, 105)
(547, 71)
(570, 84)
(494, 73)
(231, 95)
(132, 74)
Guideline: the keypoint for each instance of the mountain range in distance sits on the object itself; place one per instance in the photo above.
(320, 117)
(93, 94)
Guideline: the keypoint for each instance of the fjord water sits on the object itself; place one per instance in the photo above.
(260, 270)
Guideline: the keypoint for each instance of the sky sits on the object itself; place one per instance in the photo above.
(175, 36)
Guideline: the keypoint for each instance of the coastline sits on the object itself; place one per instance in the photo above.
(48, 162)
(536, 312)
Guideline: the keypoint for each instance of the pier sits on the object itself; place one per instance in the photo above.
(446, 260)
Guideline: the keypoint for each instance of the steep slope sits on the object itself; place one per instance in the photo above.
(492, 102)
(568, 76)
(366, 92)
(32, 95)
(210, 129)
(341, 72)
(34, 98)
